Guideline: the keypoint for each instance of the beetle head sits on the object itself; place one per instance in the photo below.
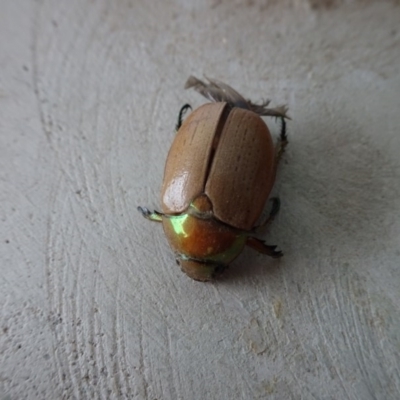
(200, 271)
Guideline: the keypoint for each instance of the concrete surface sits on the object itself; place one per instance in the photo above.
(92, 303)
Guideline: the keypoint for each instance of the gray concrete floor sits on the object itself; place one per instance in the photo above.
(92, 303)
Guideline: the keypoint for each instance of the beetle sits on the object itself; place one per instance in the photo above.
(218, 176)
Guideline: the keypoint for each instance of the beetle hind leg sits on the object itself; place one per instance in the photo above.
(263, 248)
(182, 112)
(276, 205)
(151, 216)
(282, 142)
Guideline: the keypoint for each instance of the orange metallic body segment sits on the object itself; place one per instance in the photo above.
(199, 271)
(187, 161)
(203, 239)
(242, 171)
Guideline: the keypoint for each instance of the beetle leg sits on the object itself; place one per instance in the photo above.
(276, 205)
(152, 216)
(182, 112)
(261, 247)
(282, 143)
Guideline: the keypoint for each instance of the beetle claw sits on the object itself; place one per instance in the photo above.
(143, 210)
(264, 248)
(182, 112)
(273, 252)
(152, 216)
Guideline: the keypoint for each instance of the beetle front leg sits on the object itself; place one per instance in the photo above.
(151, 216)
(261, 247)
(182, 112)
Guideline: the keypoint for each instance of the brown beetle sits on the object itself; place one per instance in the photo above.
(218, 175)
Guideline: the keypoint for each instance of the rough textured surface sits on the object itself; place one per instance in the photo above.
(92, 303)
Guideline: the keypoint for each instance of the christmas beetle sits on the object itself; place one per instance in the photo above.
(218, 175)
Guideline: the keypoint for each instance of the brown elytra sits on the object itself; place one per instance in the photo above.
(226, 153)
